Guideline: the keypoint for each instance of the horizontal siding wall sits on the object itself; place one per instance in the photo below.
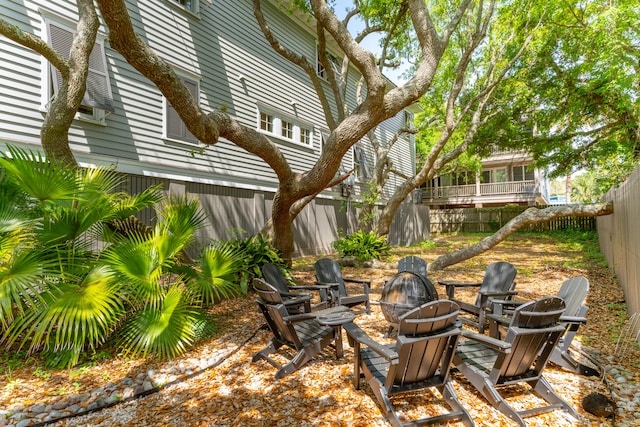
(217, 48)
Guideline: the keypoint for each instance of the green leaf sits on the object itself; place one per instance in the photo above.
(166, 330)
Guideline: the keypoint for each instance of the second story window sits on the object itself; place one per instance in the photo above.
(284, 126)
(408, 120)
(335, 65)
(266, 122)
(97, 101)
(192, 6)
(305, 136)
(360, 163)
(523, 173)
(174, 126)
(287, 129)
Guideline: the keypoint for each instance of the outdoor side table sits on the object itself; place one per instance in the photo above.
(336, 320)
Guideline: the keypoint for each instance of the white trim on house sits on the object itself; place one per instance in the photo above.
(191, 7)
(282, 126)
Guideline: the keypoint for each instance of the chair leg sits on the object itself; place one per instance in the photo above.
(385, 403)
(296, 363)
(544, 390)
(564, 359)
(498, 402)
(459, 412)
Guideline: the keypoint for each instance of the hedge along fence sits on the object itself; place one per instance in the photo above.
(492, 219)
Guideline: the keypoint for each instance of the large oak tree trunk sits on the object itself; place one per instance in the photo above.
(528, 217)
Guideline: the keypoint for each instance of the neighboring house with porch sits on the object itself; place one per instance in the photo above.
(507, 177)
(224, 60)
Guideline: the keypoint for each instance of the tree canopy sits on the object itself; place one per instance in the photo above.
(573, 97)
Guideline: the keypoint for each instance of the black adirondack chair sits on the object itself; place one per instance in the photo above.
(297, 302)
(300, 332)
(574, 292)
(412, 264)
(420, 359)
(489, 363)
(328, 273)
(498, 282)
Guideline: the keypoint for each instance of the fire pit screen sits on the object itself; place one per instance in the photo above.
(403, 292)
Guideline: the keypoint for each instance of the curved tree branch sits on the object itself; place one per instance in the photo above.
(529, 217)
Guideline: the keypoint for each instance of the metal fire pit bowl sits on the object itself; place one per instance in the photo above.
(403, 292)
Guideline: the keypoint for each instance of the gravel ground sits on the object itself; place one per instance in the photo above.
(216, 384)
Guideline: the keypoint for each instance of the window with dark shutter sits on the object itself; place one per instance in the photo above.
(175, 127)
(98, 93)
(361, 159)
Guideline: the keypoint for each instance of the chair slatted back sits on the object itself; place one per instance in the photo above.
(328, 271)
(427, 338)
(412, 264)
(274, 276)
(533, 332)
(574, 291)
(274, 311)
(498, 277)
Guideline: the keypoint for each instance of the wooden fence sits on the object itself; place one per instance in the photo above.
(321, 222)
(492, 219)
(619, 236)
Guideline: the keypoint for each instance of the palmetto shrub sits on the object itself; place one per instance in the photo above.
(363, 246)
(141, 290)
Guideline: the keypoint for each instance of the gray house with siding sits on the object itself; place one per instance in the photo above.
(219, 51)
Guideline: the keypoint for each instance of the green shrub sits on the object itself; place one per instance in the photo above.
(141, 291)
(363, 246)
(255, 251)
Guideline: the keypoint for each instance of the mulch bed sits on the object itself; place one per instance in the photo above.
(238, 392)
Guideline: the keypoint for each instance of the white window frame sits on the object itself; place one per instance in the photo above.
(361, 171)
(279, 122)
(89, 113)
(190, 6)
(335, 62)
(525, 171)
(494, 175)
(170, 117)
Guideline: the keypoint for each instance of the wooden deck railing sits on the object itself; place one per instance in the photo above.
(473, 190)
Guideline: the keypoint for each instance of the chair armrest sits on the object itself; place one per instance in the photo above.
(499, 305)
(317, 287)
(499, 294)
(363, 281)
(355, 333)
(573, 319)
(449, 283)
(296, 295)
(451, 286)
(488, 341)
(327, 285)
(366, 284)
(299, 317)
(498, 318)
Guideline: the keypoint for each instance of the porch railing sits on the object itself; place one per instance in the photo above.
(482, 189)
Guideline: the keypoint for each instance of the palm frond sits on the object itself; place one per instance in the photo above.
(219, 268)
(77, 316)
(20, 283)
(166, 330)
(181, 216)
(138, 264)
(126, 205)
(42, 179)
